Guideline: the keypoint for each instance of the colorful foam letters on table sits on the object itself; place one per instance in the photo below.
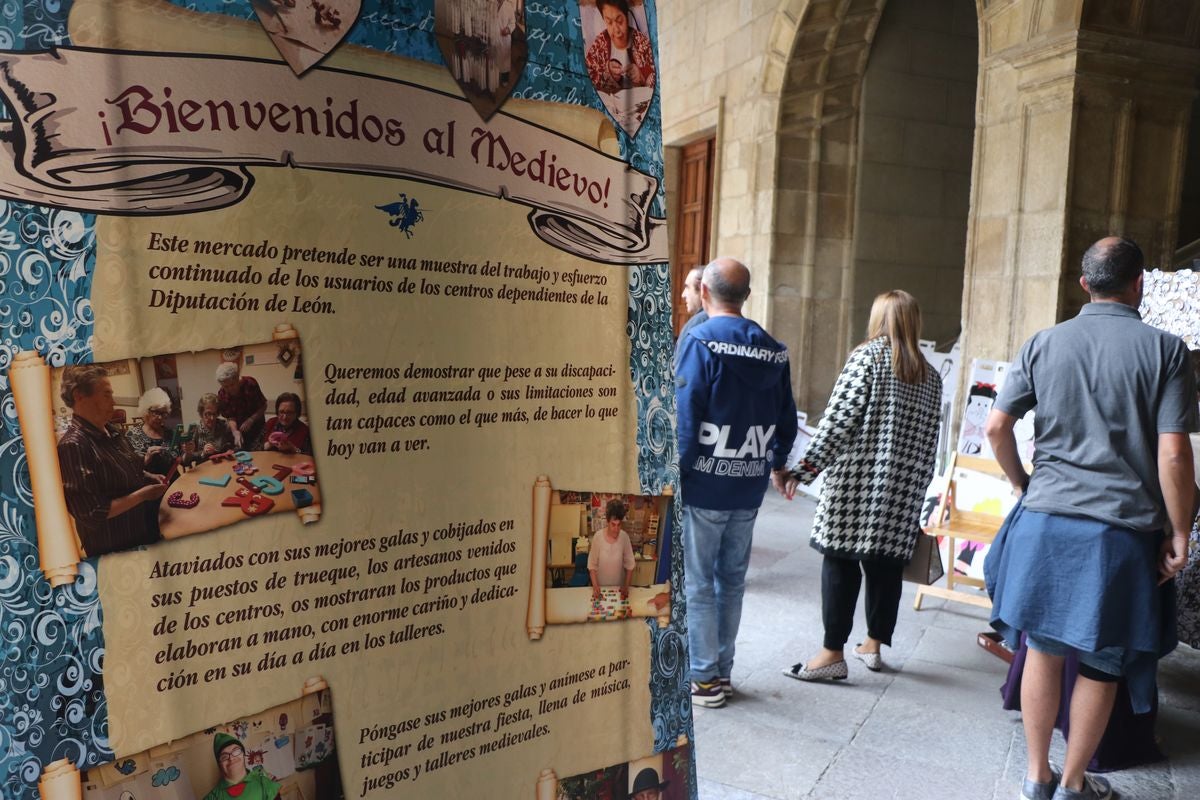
(177, 500)
(251, 503)
(244, 468)
(281, 471)
(307, 468)
(221, 481)
(302, 497)
(267, 485)
(217, 458)
(243, 456)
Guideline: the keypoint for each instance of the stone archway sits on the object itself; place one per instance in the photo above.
(813, 218)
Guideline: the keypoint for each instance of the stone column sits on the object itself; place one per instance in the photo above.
(1082, 121)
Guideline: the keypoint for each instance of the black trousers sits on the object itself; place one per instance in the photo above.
(841, 578)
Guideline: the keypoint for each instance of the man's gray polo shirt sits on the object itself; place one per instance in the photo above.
(1104, 386)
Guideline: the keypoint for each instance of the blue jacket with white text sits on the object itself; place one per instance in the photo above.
(736, 414)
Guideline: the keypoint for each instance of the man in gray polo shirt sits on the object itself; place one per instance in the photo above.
(1078, 564)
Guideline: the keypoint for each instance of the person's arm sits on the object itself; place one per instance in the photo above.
(999, 431)
(79, 480)
(148, 493)
(786, 428)
(235, 432)
(594, 565)
(260, 401)
(691, 400)
(643, 59)
(596, 60)
(843, 417)
(629, 562)
(1176, 478)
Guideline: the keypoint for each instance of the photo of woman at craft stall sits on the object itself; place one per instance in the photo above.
(151, 439)
(876, 446)
(243, 404)
(610, 556)
(113, 500)
(619, 58)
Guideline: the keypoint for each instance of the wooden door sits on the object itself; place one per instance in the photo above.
(695, 212)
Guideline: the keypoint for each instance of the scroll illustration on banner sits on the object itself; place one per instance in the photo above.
(571, 551)
(305, 31)
(620, 60)
(484, 45)
(188, 150)
(180, 444)
(287, 752)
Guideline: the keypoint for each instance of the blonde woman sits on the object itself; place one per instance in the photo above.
(876, 446)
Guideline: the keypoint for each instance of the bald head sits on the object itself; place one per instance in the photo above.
(726, 285)
(1112, 268)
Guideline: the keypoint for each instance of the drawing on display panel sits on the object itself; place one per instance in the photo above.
(305, 31)
(598, 557)
(283, 753)
(662, 776)
(620, 58)
(128, 454)
(483, 43)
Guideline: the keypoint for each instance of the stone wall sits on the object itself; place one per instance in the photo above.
(722, 69)
(916, 131)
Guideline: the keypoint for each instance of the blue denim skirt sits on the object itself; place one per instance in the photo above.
(1087, 584)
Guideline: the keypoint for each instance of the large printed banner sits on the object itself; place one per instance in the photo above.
(334, 333)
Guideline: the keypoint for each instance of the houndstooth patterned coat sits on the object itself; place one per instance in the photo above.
(876, 445)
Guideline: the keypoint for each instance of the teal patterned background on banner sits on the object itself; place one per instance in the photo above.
(51, 672)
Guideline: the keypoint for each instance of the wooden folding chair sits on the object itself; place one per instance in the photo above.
(973, 526)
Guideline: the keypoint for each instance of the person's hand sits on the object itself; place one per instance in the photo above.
(1173, 557)
(614, 69)
(209, 449)
(784, 483)
(237, 439)
(151, 452)
(624, 592)
(595, 592)
(287, 447)
(151, 491)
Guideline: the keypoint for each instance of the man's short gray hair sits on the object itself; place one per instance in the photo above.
(724, 288)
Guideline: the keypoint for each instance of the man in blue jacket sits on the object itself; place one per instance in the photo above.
(737, 422)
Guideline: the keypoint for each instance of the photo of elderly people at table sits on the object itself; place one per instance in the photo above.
(161, 447)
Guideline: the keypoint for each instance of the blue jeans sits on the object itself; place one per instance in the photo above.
(716, 553)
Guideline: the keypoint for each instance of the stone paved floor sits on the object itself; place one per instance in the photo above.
(929, 726)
